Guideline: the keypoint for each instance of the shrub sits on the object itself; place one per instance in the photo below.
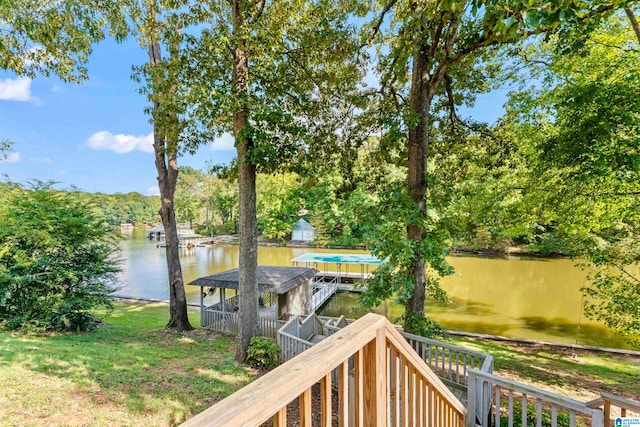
(263, 352)
(563, 419)
(56, 260)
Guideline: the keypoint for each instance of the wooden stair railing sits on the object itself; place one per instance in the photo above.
(608, 400)
(381, 382)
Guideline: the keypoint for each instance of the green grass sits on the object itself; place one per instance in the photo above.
(129, 372)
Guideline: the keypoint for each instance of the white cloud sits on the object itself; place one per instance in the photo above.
(224, 142)
(153, 191)
(10, 157)
(15, 89)
(56, 88)
(105, 140)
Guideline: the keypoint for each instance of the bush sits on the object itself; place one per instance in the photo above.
(263, 352)
(422, 325)
(56, 260)
(563, 419)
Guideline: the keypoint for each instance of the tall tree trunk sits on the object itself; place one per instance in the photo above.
(247, 225)
(424, 85)
(167, 168)
(417, 164)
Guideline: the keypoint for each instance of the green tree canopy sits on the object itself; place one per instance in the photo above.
(56, 37)
(575, 172)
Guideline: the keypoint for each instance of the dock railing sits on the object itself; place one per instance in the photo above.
(227, 322)
(322, 292)
(230, 304)
(389, 385)
(494, 399)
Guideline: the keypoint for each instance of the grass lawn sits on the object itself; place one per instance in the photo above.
(130, 372)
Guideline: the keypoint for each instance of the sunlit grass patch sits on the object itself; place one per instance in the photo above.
(128, 372)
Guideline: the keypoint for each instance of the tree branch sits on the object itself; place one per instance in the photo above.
(634, 22)
(257, 16)
(376, 28)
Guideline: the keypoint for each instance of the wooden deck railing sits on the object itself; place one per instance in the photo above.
(492, 399)
(610, 401)
(389, 385)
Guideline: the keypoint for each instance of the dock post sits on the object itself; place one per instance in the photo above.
(201, 306)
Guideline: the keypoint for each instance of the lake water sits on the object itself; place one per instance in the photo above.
(514, 297)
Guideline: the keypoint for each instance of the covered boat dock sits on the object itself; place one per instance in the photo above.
(347, 271)
(284, 292)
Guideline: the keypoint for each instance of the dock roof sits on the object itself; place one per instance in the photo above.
(338, 258)
(276, 279)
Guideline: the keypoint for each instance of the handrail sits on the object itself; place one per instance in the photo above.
(480, 390)
(450, 362)
(607, 400)
(389, 381)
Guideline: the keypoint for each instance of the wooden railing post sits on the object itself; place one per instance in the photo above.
(375, 381)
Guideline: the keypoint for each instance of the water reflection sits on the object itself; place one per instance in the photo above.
(517, 297)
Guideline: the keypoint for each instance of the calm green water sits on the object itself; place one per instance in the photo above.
(514, 297)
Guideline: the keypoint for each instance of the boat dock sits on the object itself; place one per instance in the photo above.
(336, 273)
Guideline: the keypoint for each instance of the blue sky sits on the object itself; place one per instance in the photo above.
(96, 136)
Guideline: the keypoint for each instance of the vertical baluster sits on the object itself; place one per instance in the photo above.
(423, 402)
(572, 418)
(397, 390)
(497, 403)
(432, 408)
(510, 408)
(466, 377)
(458, 367)
(389, 385)
(280, 418)
(554, 415)
(325, 400)
(405, 392)
(538, 413)
(412, 396)
(524, 409)
(450, 370)
(359, 387)
(304, 402)
(343, 393)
